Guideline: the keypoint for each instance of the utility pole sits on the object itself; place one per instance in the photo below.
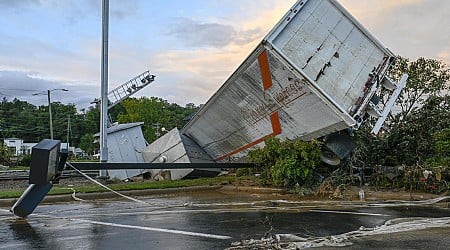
(50, 107)
(68, 131)
(50, 112)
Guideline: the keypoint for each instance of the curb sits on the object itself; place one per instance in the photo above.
(260, 190)
(108, 195)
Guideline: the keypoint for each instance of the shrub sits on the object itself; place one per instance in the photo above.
(442, 150)
(288, 163)
(25, 160)
(5, 155)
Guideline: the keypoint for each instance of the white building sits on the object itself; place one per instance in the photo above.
(18, 147)
(125, 144)
(77, 152)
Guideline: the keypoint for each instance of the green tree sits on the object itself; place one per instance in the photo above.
(87, 143)
(30, 123)
(427, 78)
(442, 148)
(61, 113)
(92, 120)
(156, 113)
(287, 163)
(5, 155)
(19, 118)
(424, 111)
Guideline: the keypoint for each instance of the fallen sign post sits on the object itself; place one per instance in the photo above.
(46, 157)
(48, 162)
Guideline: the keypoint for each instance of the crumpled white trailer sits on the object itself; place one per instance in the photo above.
(314, 75)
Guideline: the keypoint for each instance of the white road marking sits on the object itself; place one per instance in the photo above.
(347, 212)
(213, 236)
(173, 231)
(5, 211)
(12, 245)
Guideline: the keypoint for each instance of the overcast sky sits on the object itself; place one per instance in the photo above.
(191, 46)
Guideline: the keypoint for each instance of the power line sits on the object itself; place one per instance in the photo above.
(11, 89)
(25, 90)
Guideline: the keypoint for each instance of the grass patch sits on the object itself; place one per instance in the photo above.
(19, 168)
(92, 188)
(11, 194)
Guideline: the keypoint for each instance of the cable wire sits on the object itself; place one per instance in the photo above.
(107, 188)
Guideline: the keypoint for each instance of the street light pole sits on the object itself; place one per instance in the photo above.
(50, 112)
(104, 85)
(50, 107)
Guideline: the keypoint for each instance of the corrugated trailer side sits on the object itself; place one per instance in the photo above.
(310, 77)
(324, 42)
(264, 97)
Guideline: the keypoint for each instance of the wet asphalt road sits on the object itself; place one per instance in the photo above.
(215, 220)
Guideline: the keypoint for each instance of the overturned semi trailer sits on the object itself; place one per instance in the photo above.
(315, 75)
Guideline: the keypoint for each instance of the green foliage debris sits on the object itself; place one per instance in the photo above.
(286, 163)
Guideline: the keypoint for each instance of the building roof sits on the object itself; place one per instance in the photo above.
(119, 127)
(13, 138)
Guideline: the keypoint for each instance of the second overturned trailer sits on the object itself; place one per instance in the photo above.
(315, 75)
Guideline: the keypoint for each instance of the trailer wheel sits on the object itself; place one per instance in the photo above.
(330, 158)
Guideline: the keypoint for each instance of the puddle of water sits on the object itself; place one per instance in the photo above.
(114, 223)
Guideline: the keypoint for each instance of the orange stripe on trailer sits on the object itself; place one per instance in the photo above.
(265, 70)
(276, 128)
(263, 60)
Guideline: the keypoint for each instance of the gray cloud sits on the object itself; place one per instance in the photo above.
(196, 34)
(427, 37)
(247, 36)
(74, 11)
(181, 88)
(22, 85)
(124, 9)
(14, 4)
(414, 28)
(77, 10)
(117, 9)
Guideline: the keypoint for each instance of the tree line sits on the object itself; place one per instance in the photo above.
(20, 119)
